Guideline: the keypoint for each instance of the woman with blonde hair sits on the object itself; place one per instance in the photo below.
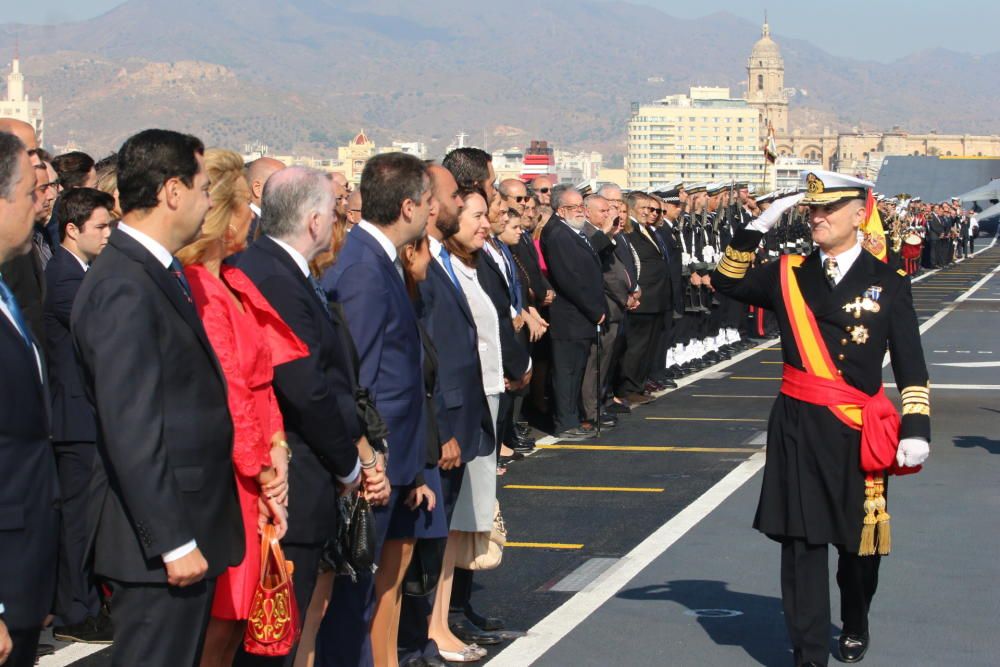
(249, 339)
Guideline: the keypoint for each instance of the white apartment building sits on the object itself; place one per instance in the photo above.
(703, 136)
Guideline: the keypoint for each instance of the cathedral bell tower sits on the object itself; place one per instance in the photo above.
(766, 82)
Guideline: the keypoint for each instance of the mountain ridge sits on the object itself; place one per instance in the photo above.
(303, 75)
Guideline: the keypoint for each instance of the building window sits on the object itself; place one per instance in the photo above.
(760, 82)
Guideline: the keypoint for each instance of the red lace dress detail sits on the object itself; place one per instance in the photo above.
(248, 344)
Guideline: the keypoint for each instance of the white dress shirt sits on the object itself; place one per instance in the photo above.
(303, 265)
(845, 261)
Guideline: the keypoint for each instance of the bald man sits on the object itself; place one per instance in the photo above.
(257, 173)
(353, 208)
(514, 193)
(341, 191)
(20, 129)
(542, 186)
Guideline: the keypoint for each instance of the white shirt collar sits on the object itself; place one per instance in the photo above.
(845, 260)
(161, 254)
(255, 209)
(436, 250)
(296, 256)
(83, 264)
(383, 240)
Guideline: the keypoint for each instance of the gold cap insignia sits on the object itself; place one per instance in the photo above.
(814, 186)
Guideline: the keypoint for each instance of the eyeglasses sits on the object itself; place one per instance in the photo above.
(354, 210)
(576, 207)
(519, 199)
(544, 191)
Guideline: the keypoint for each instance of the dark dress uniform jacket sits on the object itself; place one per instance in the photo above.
(29, 494)
(813, 484)
(165, 436)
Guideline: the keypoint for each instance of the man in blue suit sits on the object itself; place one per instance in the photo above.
(367, 281)
(461, 411)
(29, 495)
(84, 228)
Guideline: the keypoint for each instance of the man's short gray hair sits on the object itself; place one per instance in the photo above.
(558, 194)
(290, 197)
(593, 199)
(607, 188)
(10, 150)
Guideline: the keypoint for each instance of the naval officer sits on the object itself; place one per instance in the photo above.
(833, 436)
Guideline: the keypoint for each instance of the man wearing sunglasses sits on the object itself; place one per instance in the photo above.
(542, 186)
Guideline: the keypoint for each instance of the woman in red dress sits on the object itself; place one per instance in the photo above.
(249, 339)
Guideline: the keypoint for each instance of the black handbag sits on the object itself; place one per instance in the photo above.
(425, 568)
(353, 550)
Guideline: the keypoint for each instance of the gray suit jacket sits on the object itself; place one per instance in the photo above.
(617, 283)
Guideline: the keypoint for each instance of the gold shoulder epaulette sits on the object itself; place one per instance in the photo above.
(902, 272)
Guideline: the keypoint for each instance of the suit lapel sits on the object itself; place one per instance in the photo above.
(169, 286)
(453, 289)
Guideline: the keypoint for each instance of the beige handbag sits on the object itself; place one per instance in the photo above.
(482, 551)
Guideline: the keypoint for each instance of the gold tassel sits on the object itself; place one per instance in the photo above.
(884, 536)
(867, 545)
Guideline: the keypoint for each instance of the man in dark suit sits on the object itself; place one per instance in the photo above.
(164, 517)
(574, 262)
(367, 281)
(25, 274)
(316, 394)
(935, 237)
(645, 322)
(85, 220)
(618, 294)
(29, 496)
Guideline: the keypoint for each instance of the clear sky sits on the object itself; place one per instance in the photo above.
(868, 29)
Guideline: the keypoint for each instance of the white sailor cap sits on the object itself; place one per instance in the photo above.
(828, 187)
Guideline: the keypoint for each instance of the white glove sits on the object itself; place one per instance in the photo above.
(770, 217)
(912, 452)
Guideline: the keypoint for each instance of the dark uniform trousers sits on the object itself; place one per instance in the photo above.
(569, 361)
(805, 595)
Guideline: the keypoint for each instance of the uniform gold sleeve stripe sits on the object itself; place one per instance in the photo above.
(732, 270)
(739, 255)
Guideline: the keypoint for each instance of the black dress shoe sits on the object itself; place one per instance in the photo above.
(669, 384)
(616, 408)
(435, 661)
(415, 662)
(608, 420)
(471, 634)
(44, 650)
(523, 445)
(92, 630)
(853, 647)
(487, 623)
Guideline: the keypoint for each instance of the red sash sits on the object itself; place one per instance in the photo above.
(821, 384)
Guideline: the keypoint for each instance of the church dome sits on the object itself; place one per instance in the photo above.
(765, 46)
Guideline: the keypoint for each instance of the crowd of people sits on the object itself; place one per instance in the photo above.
(195, 349)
